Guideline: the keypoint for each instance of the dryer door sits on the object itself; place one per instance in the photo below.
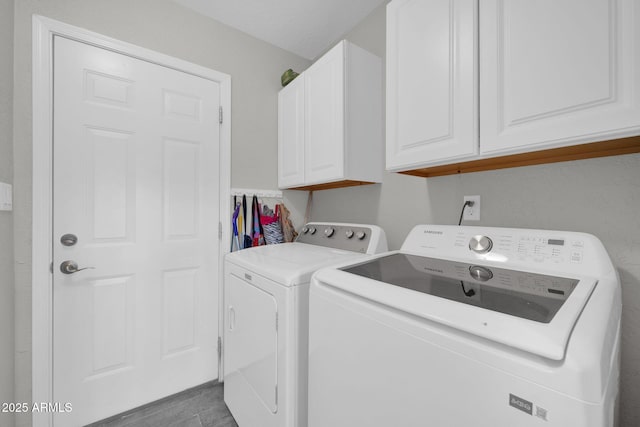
(251, 341)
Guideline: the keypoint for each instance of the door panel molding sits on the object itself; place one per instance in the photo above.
(43, 32)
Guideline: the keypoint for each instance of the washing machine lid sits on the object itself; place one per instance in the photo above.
(526, 310)
(289, 264)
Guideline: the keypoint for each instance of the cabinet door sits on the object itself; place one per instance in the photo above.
(291, 134)
(558, 72)
(324, 118)
(431, 82)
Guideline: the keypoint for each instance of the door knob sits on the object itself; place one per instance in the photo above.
(70, 267)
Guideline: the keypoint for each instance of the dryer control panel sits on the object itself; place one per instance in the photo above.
(347, 237)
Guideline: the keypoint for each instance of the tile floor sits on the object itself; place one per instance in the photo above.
(201, 406)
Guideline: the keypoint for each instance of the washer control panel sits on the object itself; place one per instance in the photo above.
(557, 250)
(525, 247)
(348, 237)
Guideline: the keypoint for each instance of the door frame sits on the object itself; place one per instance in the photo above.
(43, 32)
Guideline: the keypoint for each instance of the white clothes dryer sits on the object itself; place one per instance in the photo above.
(265, 345)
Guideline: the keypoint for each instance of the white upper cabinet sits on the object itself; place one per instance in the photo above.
(290, 132)
(339, 141)
(432, 93)
(558, 72)
(552, 74)
(324, 102)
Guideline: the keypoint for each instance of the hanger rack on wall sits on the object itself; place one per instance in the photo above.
(249, 229)
(269, 194)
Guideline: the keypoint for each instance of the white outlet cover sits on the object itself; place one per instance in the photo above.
(472, 213)
(6, 197)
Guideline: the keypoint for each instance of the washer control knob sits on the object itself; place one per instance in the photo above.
(348, 234)
(305, 230)
(329, 232)
(361, 235)
(480, 244)
(479, 273)
(312, 230)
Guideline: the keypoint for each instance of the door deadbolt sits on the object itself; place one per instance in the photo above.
(70, 267)
(69, 240)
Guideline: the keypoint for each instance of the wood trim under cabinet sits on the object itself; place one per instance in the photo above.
(575, 152)
(330, 185)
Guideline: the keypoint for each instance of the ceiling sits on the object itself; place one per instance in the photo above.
(304, 27)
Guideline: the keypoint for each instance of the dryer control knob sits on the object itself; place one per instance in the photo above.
(305, 230)
(361, 235)
(329, 232)
(348, 234)
(312, 230)
(480, 244)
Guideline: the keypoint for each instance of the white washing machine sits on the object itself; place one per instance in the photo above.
(266, 319)
(468, 326)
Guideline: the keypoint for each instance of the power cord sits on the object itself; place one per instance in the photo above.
(467, 203)
(468, 293)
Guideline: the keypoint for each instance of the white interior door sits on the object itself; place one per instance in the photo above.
(136, 161)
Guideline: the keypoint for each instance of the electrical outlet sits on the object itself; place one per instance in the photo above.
(472, 213)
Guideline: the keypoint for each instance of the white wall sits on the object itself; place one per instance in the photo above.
(598, 196)
(255, 68)
(6, 218)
